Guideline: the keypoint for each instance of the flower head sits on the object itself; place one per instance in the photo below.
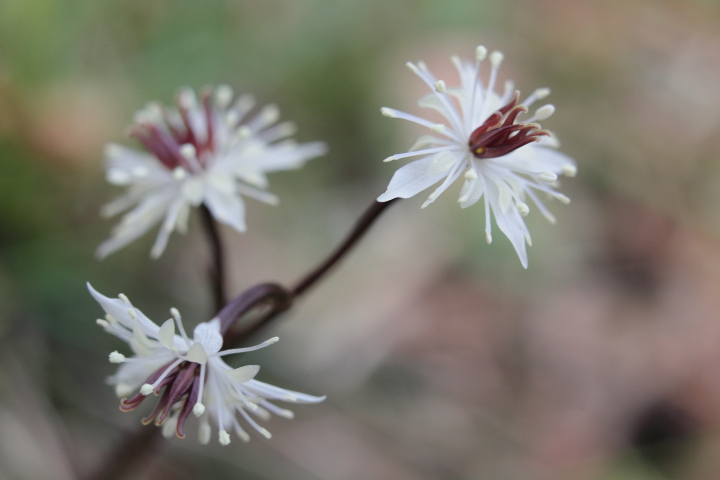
(502, 157)
(192, 373)
(207, 152)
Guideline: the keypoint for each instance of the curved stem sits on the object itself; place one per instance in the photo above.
(217, 269)
(278, 296)
(138, 444)
(358, 231)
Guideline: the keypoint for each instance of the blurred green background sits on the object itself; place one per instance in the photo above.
(441, 357)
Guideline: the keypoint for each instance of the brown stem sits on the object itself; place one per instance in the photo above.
(279, 298)
(361, 227)
(139, 444)
(217, 269)
(358, 231)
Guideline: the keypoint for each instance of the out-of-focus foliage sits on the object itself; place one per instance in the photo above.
(441, 357)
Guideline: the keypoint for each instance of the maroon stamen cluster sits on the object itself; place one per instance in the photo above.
(164, 141)
(500, 135)
(182, 381)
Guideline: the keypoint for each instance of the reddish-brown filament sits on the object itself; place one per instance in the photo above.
(164, 141)
(500, 135)
(181, 385)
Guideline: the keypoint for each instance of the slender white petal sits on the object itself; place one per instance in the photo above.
(412, 179)
(199, 152)
(159, 352)
(502, 169)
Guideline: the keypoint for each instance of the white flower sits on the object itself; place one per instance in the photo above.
(500, 158)
(205, 152)
(191, 371)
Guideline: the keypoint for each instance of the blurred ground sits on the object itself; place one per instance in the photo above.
(441, 357)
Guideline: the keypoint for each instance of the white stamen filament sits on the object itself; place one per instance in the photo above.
(203, 369)
(548, 177)
(249, 349)
(178, 321)
(254, 424)
(157, 382)
(415, 153)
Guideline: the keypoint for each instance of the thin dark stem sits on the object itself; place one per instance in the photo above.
(217, 269)
(278, 297)
(136, 447)
(360, 228)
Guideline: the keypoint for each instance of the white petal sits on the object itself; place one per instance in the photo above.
(138, 221)
(118, 309)
(166, 334)
(196, 353)
(228, 209)
(412, 179)
(426, 140)
(270, 391)
(167, 227)
(243, 374)
(208, 335)
(510, 223)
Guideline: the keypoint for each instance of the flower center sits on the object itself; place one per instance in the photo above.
(500, 135)
(182, 387)
(184, 138)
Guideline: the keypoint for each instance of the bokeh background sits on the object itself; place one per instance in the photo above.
(441, 357)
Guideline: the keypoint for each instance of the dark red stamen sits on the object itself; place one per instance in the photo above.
(500, 135)
(192, 399)
(179, 388)
(127, 404)
(158, 408)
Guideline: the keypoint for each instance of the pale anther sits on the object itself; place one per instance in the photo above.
(569, 170)
(523, 208)
(179, 173)
(544, 112)
(541, 93)
(188, 151)
(116, 357)
(198, 409)
(223, 96)
(564, 199)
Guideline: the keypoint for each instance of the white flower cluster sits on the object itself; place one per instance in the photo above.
(500, 158)
(207, 151)
(192, 372)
